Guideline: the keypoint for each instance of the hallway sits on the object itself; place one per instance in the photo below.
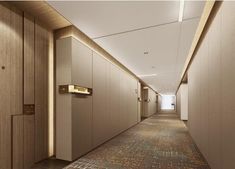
(161, 141)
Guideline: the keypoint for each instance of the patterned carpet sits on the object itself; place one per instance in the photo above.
(161, 141)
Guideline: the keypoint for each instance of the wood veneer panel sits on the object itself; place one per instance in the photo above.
(204, 97)
(192, 82)
(228, 84)
(29, 141)
(100, 113)
(132, 110)
(123, 101)
(81, 125)
(41, 92)
(81, 64)
(113, 100)
(81, 105)
(18, 142)
(11, 77)
(197, 95)
(215, 100)
(28, 60)
(29, 76)
(41, 10)
(212, 76)
(63, 102)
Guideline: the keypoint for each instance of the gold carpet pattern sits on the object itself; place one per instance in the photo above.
(159, 142)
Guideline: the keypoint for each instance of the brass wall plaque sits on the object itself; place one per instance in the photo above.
(75, 89)
(29, 109)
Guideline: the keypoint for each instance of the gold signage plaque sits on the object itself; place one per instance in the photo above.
(74, 89)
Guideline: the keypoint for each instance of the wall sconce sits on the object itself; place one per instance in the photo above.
(74, 89)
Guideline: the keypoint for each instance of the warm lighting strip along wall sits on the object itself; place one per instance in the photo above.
(51, 98)
(202, 23)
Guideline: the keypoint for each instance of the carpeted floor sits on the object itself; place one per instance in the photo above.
(161, 141)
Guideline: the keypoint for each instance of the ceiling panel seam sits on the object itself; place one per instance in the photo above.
(143, 28)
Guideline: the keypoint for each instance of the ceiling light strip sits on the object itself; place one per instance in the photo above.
(181, 12)
(150, 75)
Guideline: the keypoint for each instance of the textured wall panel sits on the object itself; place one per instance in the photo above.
(41, 92)
(28, 60)
(100, 96)
(212, 91)
(114, 94)
(214, 103)
(228, 84)
(11, 73)
(18, 142)
(29, 141)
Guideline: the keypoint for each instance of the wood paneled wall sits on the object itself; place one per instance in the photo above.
(211, 83)
(114, 100)
(29, 45)
(11, 73)
(84, 122)
(24, 82)
(73, 112)
(41, 92)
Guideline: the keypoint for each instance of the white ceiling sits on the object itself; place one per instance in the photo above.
(127, 29)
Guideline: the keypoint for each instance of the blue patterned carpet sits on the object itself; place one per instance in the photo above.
(159, 142)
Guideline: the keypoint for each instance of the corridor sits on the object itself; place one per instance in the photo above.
(161, 141)
(117, 84)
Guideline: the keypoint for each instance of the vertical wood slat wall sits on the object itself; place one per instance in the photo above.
(211, 80)
(11, 83)
(18, 55)
(41, 92)
(29, 88)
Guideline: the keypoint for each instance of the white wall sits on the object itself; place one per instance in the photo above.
(182, 102)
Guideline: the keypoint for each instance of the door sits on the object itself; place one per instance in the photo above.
(139, 102)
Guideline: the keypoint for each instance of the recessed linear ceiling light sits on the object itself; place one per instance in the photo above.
(181, 12)
(149, 75)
